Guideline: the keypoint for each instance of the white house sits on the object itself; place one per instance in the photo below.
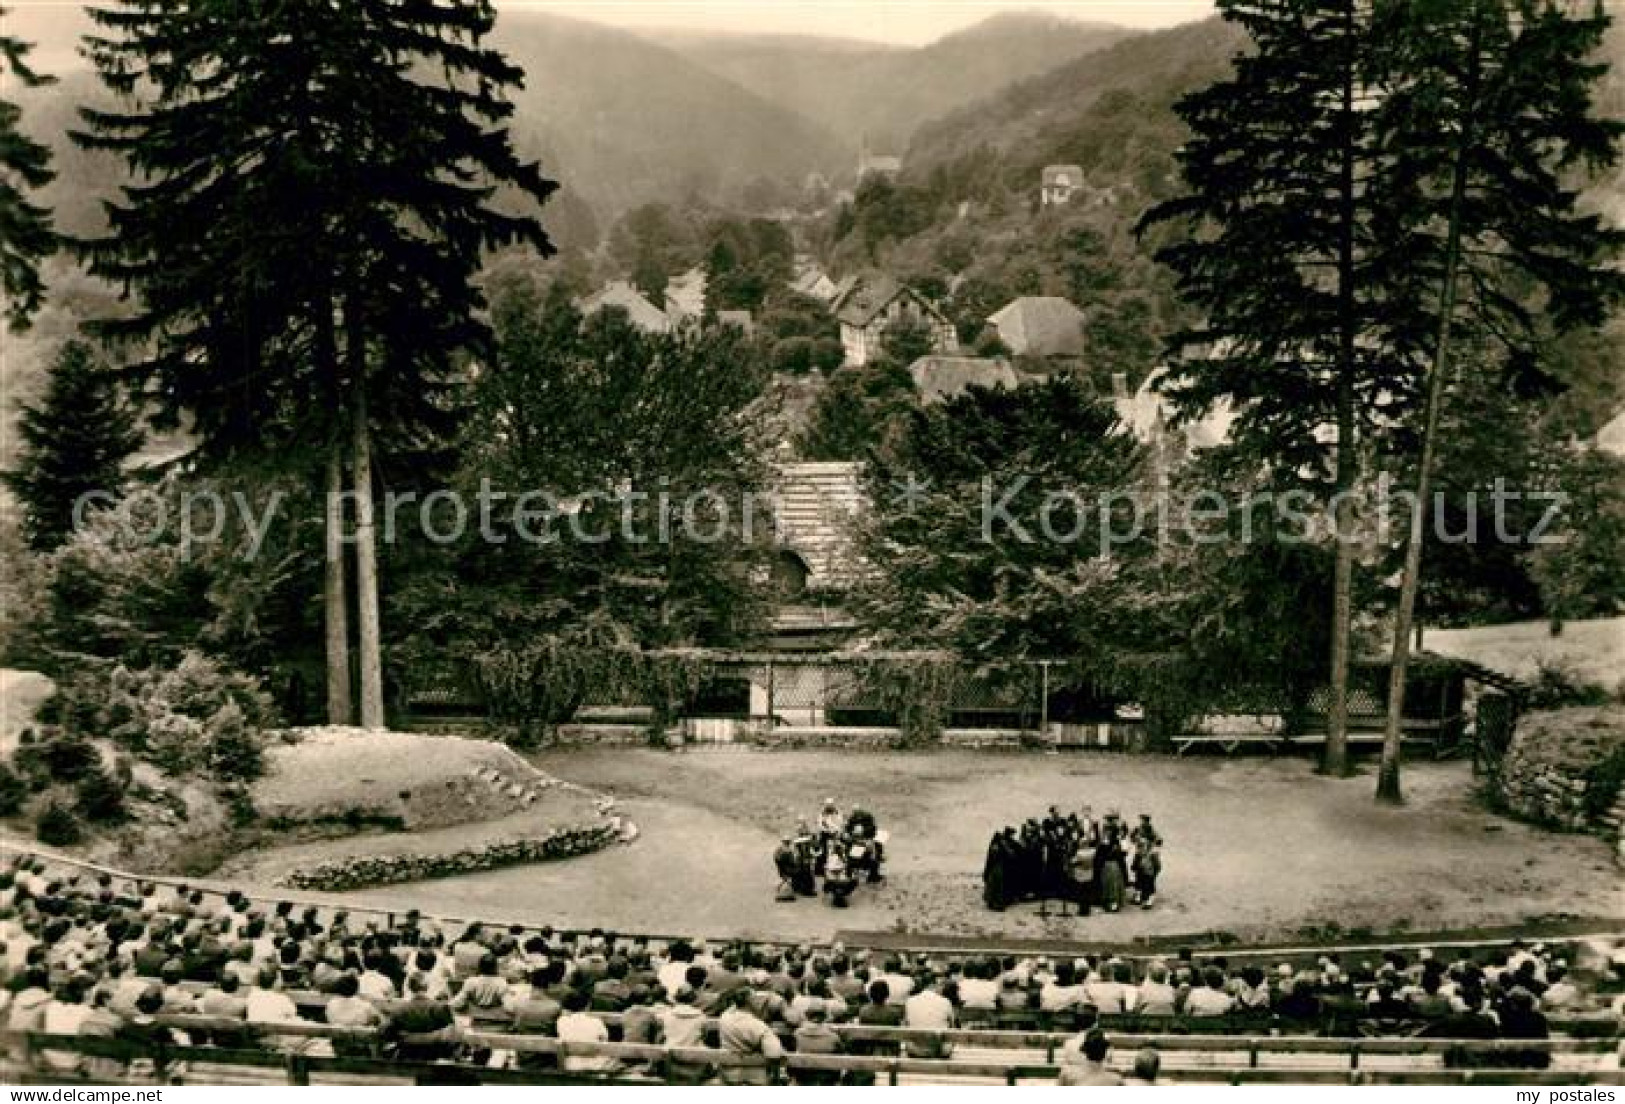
(1059, 183)
(867, 307)
(623, 296)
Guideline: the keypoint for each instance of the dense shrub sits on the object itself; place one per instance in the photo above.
(1604, 783)
(101, 798)
(198, 717)
(57, 826)
(13, 791)
(1559, 685)
(64, 757)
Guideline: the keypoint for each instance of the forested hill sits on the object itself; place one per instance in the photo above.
(622, 121)
(863, 89)
(619, 120)
(1110, 112)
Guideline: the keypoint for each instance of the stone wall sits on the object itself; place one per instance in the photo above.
(1562, 769)
(362, 871)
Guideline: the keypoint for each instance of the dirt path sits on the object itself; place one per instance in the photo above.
(1260, 848)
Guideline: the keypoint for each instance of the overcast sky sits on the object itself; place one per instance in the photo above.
(54, 25)
(909, 22)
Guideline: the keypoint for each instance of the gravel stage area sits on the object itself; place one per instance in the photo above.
(1260, 848)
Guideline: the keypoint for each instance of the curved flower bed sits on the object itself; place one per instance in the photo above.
(364, 871)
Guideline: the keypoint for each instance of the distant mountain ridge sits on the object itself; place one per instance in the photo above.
(861, 90)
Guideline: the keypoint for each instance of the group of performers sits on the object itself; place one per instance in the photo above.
(1074, 858)
(839, 850)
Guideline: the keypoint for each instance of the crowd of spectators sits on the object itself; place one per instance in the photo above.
(92, 955)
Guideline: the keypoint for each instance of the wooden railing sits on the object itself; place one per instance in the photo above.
(1187, 1058)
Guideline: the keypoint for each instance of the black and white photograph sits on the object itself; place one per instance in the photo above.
(812, 543)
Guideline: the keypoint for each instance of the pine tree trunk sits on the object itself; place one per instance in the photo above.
(335, 595)
(1335, 760)
(1388, 788)
(366, 570)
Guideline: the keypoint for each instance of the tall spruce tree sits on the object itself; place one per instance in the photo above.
(1285, 257)
(26, 236)
(317, 182)
(1489, 105)
(75, 443)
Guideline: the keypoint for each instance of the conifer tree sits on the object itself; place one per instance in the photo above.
(1489, 104)
(1284, 255)
(75, 443)
(26, 236)
(316, 184)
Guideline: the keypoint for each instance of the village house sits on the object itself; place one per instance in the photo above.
(740, 319)
(815, 506)
(1148, 415)
(877, 164)
(867, 307)
(1611, 437)
(1040, 326)
(1058, 184)
(685, 296)
(620, 295)
(940, 378)
(812, 281)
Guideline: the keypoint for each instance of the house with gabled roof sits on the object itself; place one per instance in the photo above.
(1611, 437)
(940, 378)
(620, 295)
(685, 295)
(812, 281)
(1040, 326)
(815, 507)
(868, 306)
(1058, 184)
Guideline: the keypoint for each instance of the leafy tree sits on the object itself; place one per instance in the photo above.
(1491, 103)
(317, 189)
(1241, 593)
(986, 528)
(747, 261)
(907, 340)
(1581, 570)
(26, 234)
(859, 410)
(74, 443)
(622, 430)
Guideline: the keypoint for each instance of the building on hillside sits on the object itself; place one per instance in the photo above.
(1040, 326)
(620, 295)
(816, 560)
(1148, 415)
(811, 280)
(940, 378)
(877, 164)
(1611, 437)
(739, 318)
(1058, 184)
(867, 307)
(685, 295)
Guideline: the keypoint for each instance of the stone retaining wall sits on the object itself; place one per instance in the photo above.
(1562, 770)
(363, 871)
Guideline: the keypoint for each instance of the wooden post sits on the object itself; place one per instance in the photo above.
(335, 596)
(1043, 698)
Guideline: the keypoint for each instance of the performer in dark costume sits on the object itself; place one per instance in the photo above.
(788, 863)
(807, 856)
(995, 892)
(1111, 873)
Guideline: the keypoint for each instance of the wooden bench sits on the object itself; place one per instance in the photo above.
(181, 1063)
